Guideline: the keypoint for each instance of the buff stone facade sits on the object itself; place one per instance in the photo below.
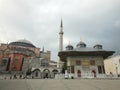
(112, 65)
(84, 61)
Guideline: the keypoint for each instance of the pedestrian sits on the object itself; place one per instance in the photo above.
(11, 77)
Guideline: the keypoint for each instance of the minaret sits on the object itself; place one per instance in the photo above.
(61, 37)
(60, 64)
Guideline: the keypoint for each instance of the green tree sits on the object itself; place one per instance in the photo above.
(64, 68)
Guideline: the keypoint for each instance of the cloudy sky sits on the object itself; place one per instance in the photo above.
(95, 21)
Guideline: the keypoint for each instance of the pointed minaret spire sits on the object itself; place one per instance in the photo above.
(61, 25)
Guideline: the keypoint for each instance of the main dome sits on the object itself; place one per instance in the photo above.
(24, 43)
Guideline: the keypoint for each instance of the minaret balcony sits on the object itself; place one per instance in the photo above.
(61, 33)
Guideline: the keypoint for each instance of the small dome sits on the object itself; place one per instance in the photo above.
(69, 47)
(24, 43)
(98, 46)
(81, 44)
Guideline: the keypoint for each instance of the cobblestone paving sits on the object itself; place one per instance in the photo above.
(59, 84)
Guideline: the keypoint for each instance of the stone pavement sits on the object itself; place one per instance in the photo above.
(59, 84)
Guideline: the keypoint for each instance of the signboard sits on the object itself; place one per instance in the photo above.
(86, 63)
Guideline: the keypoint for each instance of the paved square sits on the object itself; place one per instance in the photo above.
(59, 84)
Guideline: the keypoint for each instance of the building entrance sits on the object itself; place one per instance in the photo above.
(94, 73)
(79, 73)
(46, 73)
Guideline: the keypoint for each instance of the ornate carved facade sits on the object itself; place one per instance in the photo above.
(84, 61)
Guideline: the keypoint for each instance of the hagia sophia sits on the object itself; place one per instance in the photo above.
(22, 55)
(12, 55)
(81, 61)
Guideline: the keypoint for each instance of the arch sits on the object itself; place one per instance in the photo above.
(36, 73)
(54, 72)
(36, 70)
(94, 73)
(46, 70)
(46, 73)
(78, 73)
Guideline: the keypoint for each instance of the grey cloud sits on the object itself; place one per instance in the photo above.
(39, 21)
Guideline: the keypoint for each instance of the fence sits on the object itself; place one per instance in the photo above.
(86, 75)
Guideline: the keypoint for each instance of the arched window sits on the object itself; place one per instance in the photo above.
(55, 71)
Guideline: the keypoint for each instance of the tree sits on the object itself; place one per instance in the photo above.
(28, 71)
(64, 67)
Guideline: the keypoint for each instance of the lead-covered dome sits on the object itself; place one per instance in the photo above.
(69, 47)
(81, 44)
(98, 46)
(24, 43)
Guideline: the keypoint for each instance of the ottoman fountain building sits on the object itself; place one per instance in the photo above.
(83, 61)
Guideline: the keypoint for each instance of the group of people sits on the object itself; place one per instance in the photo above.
(14, 76)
